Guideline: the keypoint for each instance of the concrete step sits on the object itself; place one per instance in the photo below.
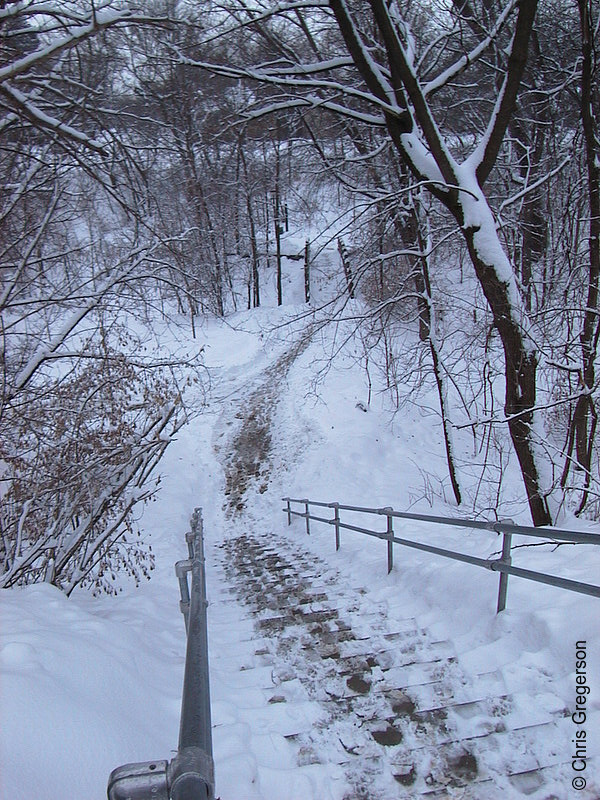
(419, 674)
(294, 618)
(461, 761)
(391, 704)
(530, 781)
(444, 692)
(259, 677)
(514, 709)
(525, 748)
(222, 648)
(554, 777)
(283, 718)
(451, 724)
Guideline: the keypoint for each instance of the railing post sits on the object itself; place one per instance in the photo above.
(181, 570)
(190, 774)
(289, 510)
(307, 517)
(505, 559)
(390, 534)
(189, 537)
(336, 521)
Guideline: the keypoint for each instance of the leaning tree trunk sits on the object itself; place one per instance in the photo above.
(417, 138)
(520, 372)
(584, 417)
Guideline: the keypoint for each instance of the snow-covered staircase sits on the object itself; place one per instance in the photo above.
(388, 709)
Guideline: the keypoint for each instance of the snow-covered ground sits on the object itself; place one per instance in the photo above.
(90, 683)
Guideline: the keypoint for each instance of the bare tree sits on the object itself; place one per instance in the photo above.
(398, 90)
(84, 416)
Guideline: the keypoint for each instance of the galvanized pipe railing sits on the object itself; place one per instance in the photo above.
(190, 774)
(503, 565)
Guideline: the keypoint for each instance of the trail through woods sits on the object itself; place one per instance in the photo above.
(330, 679)
(337, 684)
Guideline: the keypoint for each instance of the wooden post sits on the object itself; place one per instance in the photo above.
(307, 271)
(307, 517)
(278, 232)
(337, 525)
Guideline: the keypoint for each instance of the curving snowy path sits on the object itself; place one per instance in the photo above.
(350, 654)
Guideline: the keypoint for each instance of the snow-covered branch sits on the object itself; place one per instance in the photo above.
(85, 29)
(465, 61)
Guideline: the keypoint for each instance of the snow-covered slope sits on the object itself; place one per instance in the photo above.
(91, 683)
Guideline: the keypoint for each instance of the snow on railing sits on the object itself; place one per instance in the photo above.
(503, 565)
(191, 773)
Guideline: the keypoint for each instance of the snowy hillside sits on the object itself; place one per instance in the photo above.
(90, 683)
(338, 252)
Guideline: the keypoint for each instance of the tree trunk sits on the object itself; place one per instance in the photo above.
(277, 219)
(307, 271)
(469, 205)
(278, 232)
(584, 417)
(345, 259)
(253, 278)
(520, 377)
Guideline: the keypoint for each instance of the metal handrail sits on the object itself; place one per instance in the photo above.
(503, 565)
(190, 774)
